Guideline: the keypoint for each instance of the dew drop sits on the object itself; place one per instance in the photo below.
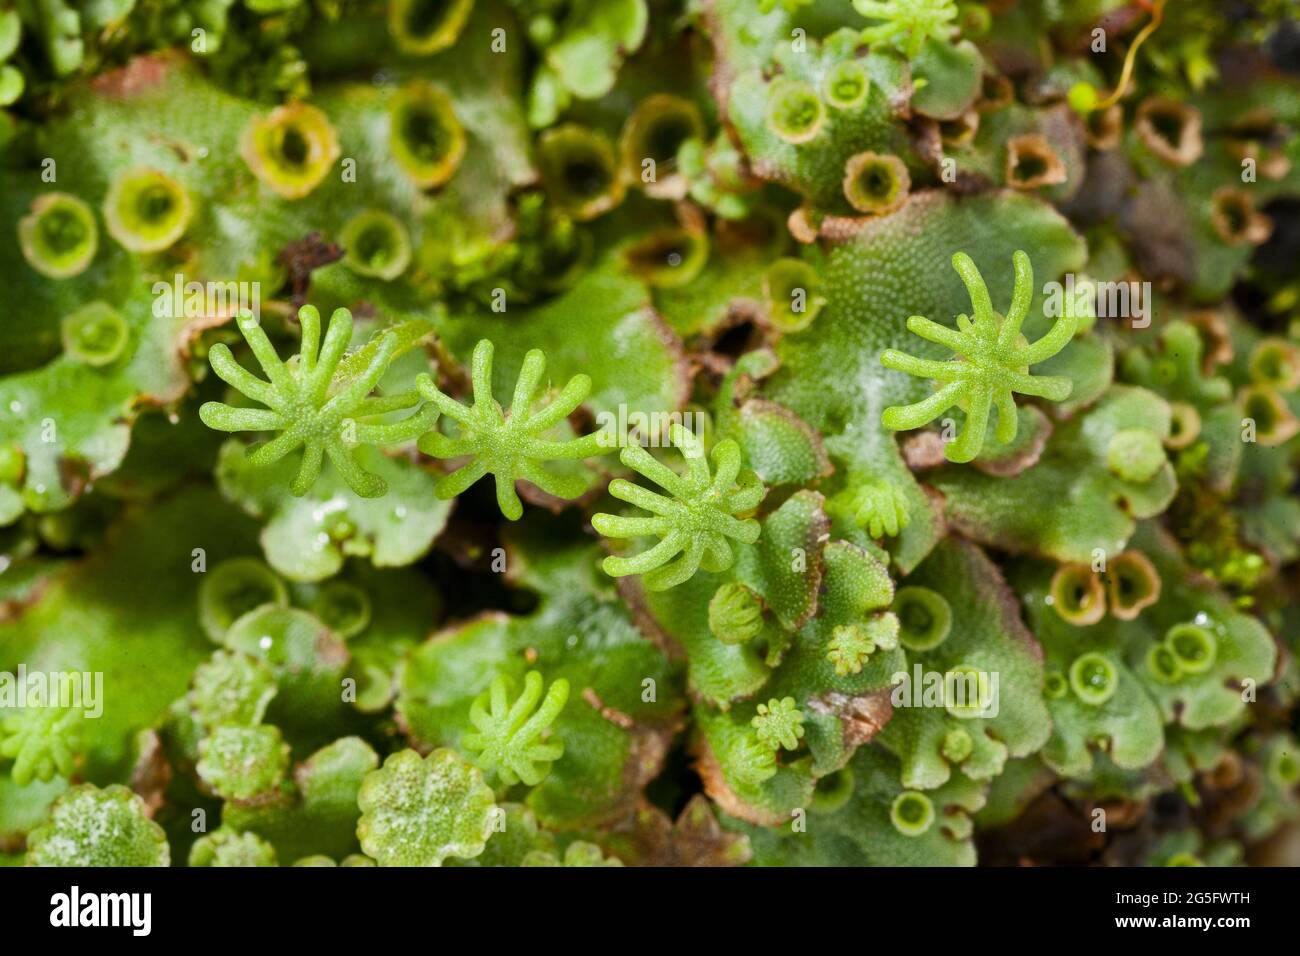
(265, 642)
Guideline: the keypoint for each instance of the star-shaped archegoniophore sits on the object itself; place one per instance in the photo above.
(510, 737)
(510, 446)
(991, 364)
(907, 24)
(41, 741)
(779, 723)
(696, 521)
(878, 506)
(852, 645)
(303, 407)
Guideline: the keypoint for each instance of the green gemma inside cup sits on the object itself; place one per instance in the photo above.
(1077, 594)
(343, 607)
(1132, 584)
(833, 791)
(1194, 647)
(924, 618)
(846, 84)
(670, 257)
(423, 27)
(793, 291)
(579, 171)
(794, 111)
(1162, 665)
(146, 210)
(426, 138)
(655, 131)
(912, 813)
(1276, 362)
(1055, 685)
(96, 334)
(12, 465)
(876, 182)
(59, 236)
(1093, 678)
(232, 589)
(376, 244)
(1283, 764)
(1184, 425)
(1274, 421)
(291, 149)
